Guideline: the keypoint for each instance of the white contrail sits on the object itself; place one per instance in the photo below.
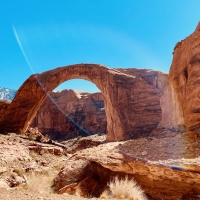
(20, 46)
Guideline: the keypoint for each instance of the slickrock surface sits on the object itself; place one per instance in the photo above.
(131, 102)
(181, 100)
(167, 166)
(86, 109)
(173, 147)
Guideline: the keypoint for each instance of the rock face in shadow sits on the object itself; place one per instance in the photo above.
(131, 101)
(85, 109)
(3, 106)
(180, 100)
(144, 108)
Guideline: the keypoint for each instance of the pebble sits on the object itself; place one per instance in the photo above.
(144, 153)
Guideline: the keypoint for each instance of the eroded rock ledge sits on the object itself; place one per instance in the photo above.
(92, 168)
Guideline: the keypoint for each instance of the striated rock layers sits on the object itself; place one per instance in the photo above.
(85, 109)
(131, 101)
(181, 97)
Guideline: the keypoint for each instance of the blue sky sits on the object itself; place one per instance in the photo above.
(39, 35)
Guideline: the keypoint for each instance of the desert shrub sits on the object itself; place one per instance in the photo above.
(39, 182)
(31, 136)
(124, 189)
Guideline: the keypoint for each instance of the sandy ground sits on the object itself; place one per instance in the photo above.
(25, 195)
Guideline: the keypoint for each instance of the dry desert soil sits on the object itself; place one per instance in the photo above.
(22, 157)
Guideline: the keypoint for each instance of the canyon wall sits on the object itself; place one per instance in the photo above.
(144, 109)
(181, 97)
(85, 109)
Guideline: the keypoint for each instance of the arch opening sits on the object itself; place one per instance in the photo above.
(69, 113)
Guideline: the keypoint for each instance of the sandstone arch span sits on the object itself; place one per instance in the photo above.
(121, 91)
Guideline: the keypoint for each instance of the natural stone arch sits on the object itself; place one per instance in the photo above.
(122, 92)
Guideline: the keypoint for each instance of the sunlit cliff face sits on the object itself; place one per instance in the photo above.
(181, 97)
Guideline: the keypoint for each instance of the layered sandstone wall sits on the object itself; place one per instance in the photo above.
(85, 109)
(145, 112)
(180, 100)
(155, 78)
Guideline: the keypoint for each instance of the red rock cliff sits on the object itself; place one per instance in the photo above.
(181, 98)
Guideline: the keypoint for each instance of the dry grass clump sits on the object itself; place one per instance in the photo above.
(124, 189)
(19, 171)
(39, 182)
